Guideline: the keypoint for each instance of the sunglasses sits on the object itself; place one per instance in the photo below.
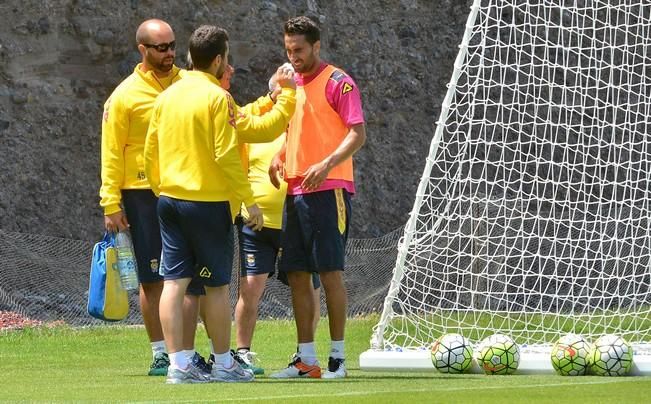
(162, 47)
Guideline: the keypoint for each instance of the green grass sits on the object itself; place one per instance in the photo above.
(110, 364)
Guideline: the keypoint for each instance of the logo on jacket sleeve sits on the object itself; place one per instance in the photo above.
(231, 111)
(105, 116)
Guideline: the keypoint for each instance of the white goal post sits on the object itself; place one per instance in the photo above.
(533, 214)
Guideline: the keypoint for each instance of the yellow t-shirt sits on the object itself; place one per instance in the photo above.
(269, 199)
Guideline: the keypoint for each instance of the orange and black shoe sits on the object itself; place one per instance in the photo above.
(297, 369)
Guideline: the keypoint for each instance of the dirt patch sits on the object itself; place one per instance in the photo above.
(13, 320)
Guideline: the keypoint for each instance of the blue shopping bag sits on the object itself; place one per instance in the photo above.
(107, 299)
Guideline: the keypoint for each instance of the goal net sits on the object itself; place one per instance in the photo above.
(532, 217)
(45, 279)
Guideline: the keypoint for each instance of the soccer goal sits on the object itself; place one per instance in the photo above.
(533, 214)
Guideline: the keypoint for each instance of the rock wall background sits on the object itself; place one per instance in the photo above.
(60, 59)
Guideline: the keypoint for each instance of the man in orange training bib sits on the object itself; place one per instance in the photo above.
(316, 162)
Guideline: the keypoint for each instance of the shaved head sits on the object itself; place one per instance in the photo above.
(156, 45)
(151, 30)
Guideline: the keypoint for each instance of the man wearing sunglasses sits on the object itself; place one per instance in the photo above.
(126, 196)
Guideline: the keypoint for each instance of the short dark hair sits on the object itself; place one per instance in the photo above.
(206, 42)
(303, 26)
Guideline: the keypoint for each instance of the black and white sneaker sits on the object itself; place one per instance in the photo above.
(336, 369)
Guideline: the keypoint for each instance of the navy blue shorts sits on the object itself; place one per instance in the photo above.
(315, 231)
(259, 251)
(195, 288)
(197, 239)
(140, 209)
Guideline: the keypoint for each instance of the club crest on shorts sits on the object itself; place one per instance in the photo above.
(153, 265)
(250, 260)
(205, 272)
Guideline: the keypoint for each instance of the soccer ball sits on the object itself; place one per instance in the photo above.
(570, 355)
(452, 353)
(498, 355)
(611, 356)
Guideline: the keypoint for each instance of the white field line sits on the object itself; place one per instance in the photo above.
(613, 380)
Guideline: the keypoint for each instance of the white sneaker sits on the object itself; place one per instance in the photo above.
(336, 369)
(183, 376)
(234, 374)
(248, 360)
(298, 369)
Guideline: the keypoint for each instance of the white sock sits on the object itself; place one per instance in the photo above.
(337, 349)
(158, 347)
(225, 359)
(307, 353)
(179, 360)
(189, 353)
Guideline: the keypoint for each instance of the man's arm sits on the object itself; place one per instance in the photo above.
(265, 128)
(115, 128)
(277, 167)
(317, 173)
(150, 154)
(228, 159)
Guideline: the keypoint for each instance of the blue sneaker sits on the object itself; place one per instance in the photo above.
(200, 362)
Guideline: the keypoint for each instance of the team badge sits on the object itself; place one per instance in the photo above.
(250, 260)
(205, 272)
(347, 87)
(153, 265)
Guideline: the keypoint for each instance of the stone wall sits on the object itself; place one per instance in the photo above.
(60, 59)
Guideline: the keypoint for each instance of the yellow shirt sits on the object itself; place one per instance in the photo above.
(256, 156)
(124, 126)
(269, 199)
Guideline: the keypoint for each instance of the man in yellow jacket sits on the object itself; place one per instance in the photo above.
(257, 124)
(192, 162)
(126, 197)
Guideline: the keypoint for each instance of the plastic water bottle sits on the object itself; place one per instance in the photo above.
(126, 261)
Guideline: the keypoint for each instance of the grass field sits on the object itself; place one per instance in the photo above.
(110, 364)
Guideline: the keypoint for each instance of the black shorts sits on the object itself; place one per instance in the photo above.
(315, 231)
(259, 251)
(140, 209)
(197, 239)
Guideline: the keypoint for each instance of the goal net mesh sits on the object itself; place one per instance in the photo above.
(533, 215)
(45, 279)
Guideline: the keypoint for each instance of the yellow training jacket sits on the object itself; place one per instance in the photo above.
(191, 150)
(124, 127)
